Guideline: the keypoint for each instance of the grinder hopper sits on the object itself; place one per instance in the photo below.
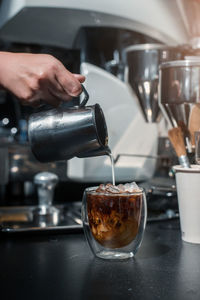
(179, 92)
(142, 69)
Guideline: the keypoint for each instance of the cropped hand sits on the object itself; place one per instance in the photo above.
(36, 77)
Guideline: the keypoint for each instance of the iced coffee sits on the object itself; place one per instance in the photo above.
(114, 214)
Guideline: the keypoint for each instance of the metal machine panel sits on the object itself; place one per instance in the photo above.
(57, 22)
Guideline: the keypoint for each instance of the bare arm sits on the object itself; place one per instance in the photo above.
(32, 77)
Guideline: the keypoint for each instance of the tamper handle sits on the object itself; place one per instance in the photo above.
(45, 182)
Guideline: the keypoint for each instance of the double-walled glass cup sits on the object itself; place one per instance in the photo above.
(114, 223)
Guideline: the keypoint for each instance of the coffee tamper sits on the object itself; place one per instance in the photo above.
(46, 213)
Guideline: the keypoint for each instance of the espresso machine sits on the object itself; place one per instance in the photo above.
(118, 48)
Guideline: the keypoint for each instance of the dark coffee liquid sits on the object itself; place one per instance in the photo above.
(114, 219)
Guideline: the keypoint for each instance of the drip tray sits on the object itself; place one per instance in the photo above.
(22, 219)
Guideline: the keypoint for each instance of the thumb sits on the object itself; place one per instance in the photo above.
(80, 77)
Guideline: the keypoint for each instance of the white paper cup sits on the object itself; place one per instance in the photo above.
(188, 192)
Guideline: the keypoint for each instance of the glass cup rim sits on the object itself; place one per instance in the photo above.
(91, 190)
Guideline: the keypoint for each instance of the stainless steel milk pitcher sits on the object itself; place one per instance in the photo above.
(63, 133)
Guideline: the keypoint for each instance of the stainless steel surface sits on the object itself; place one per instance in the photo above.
(57, 229)
(141, 47)
(179, 90)
(193, 62)
(21, 219)
(142, 62)
(184, 161)
(60, 134)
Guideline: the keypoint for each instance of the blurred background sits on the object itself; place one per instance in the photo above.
(119, 48)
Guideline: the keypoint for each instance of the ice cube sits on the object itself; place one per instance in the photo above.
(131, 187)
(101, 188)
(121, 188)
(113, 189)
(118, 189)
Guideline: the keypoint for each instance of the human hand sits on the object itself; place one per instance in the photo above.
(36, 77)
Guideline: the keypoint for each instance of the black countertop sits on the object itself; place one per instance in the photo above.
(62, 267)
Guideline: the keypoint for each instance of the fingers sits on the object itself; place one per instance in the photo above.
(44, 93)
(49, 99)
(48, 89)
(51, 92)
(60, 90)
(52, 100)
(69, 82)
(57, 90)
(80, 77)
(43, 77)
(61, 95)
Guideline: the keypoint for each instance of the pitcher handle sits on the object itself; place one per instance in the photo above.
(86, 98)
